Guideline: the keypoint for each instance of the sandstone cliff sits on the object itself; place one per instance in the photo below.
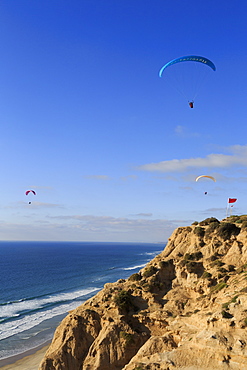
(187, 309)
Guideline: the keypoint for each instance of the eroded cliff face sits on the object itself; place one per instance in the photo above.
(187, 309)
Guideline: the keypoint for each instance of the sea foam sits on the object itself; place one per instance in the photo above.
(28, 313)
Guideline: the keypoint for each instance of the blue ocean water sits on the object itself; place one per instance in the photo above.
(41, 281)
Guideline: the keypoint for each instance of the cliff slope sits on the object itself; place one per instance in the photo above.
(187, 309)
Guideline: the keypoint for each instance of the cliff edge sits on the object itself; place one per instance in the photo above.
(187, 309)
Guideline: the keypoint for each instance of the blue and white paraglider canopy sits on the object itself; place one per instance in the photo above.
(187, 78)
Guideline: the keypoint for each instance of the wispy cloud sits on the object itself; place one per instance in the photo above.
(129, 177)
(33, 205)
(40, 187)
(44, 205)
(143, 215)
(115, 228)
(217, 161)
(91, 228)
(184, 133)
(97, 177)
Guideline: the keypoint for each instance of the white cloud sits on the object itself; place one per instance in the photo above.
(40, 187)
(97, 177)
(183, 132)
(108, 228)
(32, 205)
(44, 205)
(144, 215)
(91, 228)
(238, 158)
(129, 177)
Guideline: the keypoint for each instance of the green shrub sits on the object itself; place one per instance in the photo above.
(223, 270)
(206, 275)
(150, 271)
(242, 268)
(188, 229)
(197, 255)
(244, 225)
(231, 268)
(208, 221)
(214, 257)
(245, 321)
(212, 227)
(226, 315)
(164, 264)
(193, 256)
(227, 229)
(199, 231)
(135, 277)
(225, 306)
(127, 337)
(237, 219)
(234, 299)
(217, 263)
(187, 257)
(234, 218)
(123, 300)
(218, 287)
(195, 223)
(192, 266)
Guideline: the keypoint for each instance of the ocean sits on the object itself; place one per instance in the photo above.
(41, 281)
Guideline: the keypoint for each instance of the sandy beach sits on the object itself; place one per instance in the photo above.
(29, 362)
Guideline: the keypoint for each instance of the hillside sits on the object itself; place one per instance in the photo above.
(187, 309)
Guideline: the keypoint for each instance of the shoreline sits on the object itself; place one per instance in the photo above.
(27, 360)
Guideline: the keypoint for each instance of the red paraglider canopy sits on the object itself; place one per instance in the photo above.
(30, 191)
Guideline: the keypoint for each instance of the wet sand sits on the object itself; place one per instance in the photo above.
(31, 360)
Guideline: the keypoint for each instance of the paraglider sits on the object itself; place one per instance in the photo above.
(189, 58)
(30, 191)
(209, 177)
(187, 78)
(206, 176)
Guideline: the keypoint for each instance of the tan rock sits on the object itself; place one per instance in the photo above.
(187, 309)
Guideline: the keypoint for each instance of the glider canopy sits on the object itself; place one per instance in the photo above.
(209, 177)
(30, 191)
(189, 58)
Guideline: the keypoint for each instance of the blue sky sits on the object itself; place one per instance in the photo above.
(111, 149)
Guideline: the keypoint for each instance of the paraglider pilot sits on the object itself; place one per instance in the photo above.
(191, 104)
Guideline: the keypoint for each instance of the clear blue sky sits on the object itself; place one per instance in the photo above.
(110, 148)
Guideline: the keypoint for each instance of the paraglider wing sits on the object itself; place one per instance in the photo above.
(209, 177)
(30, 191)
(189, 58)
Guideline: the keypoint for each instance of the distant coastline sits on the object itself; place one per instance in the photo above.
(39, 287)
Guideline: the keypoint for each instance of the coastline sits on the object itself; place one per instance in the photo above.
(27, 360)
(31, 322)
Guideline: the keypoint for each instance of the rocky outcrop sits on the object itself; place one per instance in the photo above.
(187, 309)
